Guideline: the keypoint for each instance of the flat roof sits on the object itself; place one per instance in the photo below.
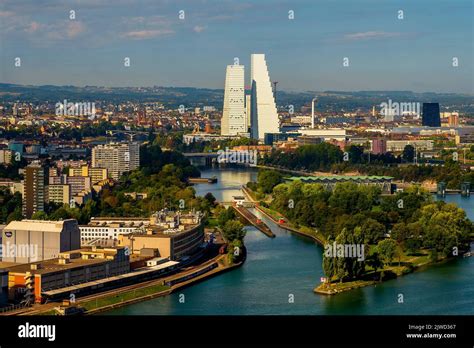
(37, 225)
(109, 279)
(53, 265)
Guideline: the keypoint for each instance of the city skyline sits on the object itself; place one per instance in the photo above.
(386, 53)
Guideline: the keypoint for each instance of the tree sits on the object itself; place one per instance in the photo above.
(268, 179)
(233, 230)
(373, 231)
(210, 198)
(225, 215)
(40, 215)
(387, 249)
(374, 261)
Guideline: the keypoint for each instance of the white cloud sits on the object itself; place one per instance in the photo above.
(199, 29)
(75, 28)
(147, 34)
(369, 35)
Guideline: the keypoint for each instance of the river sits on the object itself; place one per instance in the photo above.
(288, 267)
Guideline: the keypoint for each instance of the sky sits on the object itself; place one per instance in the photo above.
(303, 53)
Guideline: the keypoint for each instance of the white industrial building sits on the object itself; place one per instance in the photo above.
(37, 240)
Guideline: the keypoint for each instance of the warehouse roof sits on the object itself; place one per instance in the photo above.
(37, 225)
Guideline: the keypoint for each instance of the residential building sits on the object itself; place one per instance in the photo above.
(60, 194)
(117, 158)
(34, 188)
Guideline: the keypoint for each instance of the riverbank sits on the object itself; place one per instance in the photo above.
(407, 263)
(120, 297)
(221, 268)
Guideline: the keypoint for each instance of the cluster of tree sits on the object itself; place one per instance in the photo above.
(11, 206)
(162, 176)
(353, 214)
(328, 157)
(233, 232)
(307, 157)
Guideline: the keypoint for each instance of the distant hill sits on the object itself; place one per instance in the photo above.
(336, 101)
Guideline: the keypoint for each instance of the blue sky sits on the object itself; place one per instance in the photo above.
(305, 53)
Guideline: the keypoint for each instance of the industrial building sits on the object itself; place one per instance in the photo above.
(171, 235)
(36, 240)
(105, 230)
(69, 268)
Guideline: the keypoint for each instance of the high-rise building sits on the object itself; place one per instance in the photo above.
(34, 188)
(264, 112)
(233, 115)
(431, 117)
(117, 158)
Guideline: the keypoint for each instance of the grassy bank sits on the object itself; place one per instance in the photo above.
(123, 297)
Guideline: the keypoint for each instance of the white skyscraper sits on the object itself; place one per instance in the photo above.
(264, 113)
(234, 120)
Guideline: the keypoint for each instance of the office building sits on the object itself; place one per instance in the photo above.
(171, 235)
(430, 116)
(36, 240)
(234, 119)
(34, 188)
(117, 158)
(263, 112)
(105, 230)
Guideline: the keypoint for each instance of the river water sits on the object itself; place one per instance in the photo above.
(280, 273)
